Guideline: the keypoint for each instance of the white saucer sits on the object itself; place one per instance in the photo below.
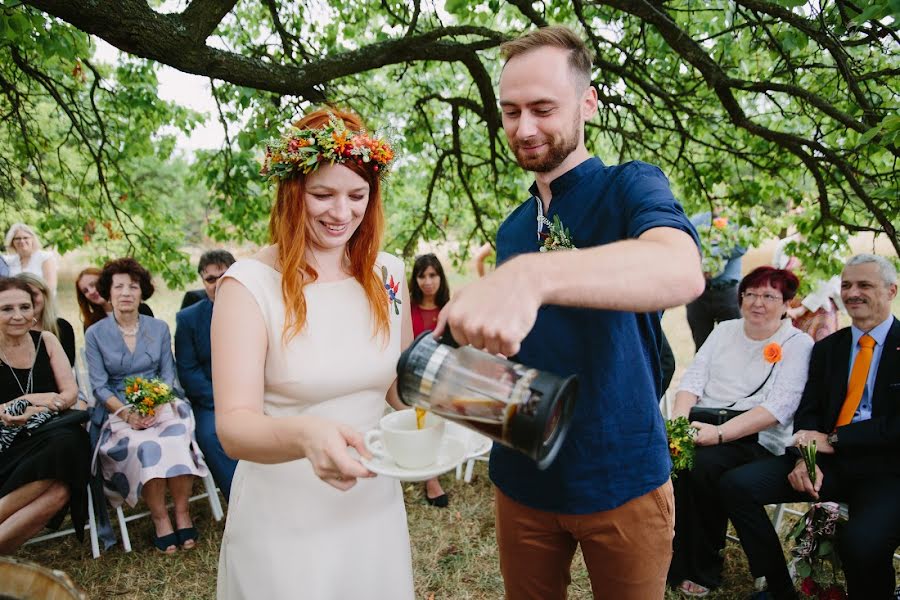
(476, 443)
(453, 451)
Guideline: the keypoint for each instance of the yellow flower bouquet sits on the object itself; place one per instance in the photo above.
(146, 395)
(680, 435)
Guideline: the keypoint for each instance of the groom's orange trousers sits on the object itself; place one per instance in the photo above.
(627, 550)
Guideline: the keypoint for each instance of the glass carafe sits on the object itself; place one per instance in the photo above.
(518, 406)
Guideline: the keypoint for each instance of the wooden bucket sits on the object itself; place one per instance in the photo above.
(23, 580)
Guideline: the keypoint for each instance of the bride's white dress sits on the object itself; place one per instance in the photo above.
(289, 535)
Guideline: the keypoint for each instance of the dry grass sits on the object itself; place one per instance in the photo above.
(454, 555)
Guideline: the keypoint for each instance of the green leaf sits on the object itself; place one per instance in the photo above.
(458, 7)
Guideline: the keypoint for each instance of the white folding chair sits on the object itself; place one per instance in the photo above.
(209, 484)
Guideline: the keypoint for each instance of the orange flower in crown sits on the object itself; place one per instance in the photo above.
(772, 353)
(720, 222)
(303, 150)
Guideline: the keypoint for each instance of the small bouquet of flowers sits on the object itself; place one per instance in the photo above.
(816, 562)
(146, 395)
(681, 444)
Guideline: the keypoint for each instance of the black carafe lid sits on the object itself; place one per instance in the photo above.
(539, 428)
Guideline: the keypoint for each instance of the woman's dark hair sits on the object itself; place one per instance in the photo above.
(422, 263)
(14, 283)
(781, 279)
(130, 267)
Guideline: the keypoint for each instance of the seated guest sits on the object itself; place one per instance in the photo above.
(851, 409)
(140, 456)
(43, 465)
(93, 306)
(755, 366)
(194, 363)
(27, 257)
(192, 297)
(45, 313)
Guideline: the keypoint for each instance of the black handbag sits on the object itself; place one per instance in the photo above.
(718, 416)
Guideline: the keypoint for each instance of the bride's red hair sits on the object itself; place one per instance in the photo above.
(288, 229)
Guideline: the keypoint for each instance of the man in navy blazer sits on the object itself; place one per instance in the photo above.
(857, 463)
(194, 363)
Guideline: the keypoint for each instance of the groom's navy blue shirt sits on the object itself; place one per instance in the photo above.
(616, 449)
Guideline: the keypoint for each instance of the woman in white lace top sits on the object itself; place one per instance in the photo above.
(756, 365)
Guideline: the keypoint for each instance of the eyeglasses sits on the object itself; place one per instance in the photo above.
(212, 278)
(752, 297)
(21, 239)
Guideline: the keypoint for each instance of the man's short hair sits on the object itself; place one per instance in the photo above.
(555, 36)
(215, 257)
(885, 268)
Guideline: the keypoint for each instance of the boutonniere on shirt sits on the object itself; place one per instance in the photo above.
(558, 236)
(393, 290)
(772, 353)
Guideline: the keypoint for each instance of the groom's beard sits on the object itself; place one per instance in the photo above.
(558, 148)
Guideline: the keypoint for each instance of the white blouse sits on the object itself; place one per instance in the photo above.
(730, 367)
(35, 263)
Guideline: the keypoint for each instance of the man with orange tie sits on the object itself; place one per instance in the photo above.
(851, 409)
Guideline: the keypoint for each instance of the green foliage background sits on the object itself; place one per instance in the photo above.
(783, 114)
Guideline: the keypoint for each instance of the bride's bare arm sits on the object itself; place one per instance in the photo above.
(239, 346)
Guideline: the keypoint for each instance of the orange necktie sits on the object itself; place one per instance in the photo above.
(858, 377)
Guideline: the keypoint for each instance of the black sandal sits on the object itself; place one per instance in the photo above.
(165, 542)
(188, 534)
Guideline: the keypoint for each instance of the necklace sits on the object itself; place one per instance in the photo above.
(29, 380)
(129, 332)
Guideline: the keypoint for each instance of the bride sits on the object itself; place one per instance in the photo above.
(305, 337)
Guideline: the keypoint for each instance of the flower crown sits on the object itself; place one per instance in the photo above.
(303, 150)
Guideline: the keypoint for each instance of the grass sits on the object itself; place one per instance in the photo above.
(454, 555)
(454, 550)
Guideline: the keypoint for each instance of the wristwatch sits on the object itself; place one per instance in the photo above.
(833, 438)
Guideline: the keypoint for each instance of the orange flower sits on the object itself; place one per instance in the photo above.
(341, 143)
(720, 222)
(772, 353)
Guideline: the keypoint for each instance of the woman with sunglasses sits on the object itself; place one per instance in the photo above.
(754, 368)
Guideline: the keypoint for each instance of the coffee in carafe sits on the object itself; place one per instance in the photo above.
(513, 404)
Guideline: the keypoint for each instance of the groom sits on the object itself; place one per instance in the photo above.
(593, 312)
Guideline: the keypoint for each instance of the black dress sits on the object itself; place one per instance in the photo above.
(61, 452)
(67, 339)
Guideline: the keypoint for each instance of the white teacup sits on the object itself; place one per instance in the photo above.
(411, 448)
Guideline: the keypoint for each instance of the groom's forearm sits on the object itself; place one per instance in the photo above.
(658, 270)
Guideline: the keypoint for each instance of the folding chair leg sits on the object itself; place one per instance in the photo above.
(470, 467)
(214, 504)
(92, 524)
(778, 516)
(123, 527)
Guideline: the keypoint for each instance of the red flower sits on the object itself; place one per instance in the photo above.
(395, 287)
(834, 592)
(809, 587)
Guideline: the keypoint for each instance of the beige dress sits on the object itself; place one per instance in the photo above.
(288, 534)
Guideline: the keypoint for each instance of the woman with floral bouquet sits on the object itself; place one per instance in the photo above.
(142, 433)
(740, 394)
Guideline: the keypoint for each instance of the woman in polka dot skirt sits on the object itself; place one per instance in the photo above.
(140, 456)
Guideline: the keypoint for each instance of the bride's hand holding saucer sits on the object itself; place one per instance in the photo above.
(325, 445)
